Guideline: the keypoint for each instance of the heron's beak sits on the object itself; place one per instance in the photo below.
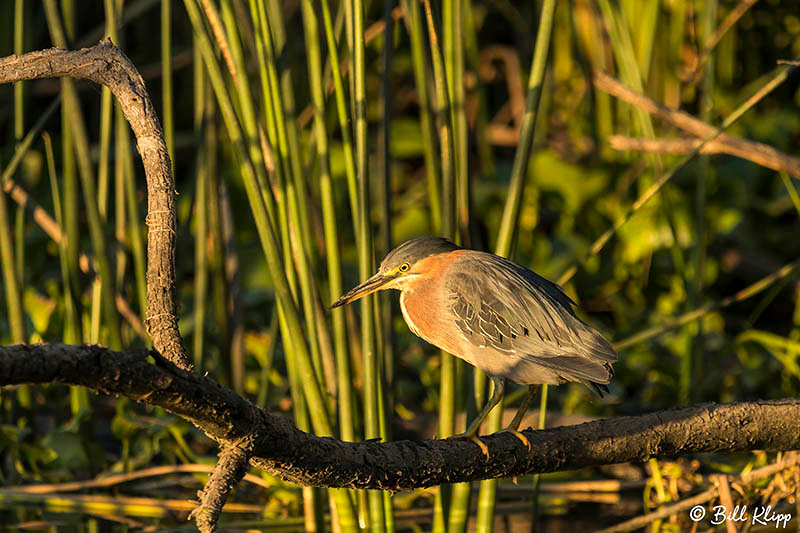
(373, 284)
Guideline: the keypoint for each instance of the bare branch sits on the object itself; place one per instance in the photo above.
(664, 146)
(230, 469)
(285, 451)
(759, 153)
(105, 64)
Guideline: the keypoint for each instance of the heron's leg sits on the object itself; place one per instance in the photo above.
(513, 427)
(472, 429)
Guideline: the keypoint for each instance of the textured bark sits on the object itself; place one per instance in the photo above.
(233, 464)
(280, 448)
(105, 64)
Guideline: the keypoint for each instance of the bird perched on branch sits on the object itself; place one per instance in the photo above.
(496, 315)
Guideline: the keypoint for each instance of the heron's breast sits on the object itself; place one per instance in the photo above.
(425, 307)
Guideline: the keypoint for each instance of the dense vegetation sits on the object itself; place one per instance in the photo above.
(263, 135)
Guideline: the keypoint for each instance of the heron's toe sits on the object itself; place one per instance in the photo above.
(471, 436)
(484, 448)
(519, 435)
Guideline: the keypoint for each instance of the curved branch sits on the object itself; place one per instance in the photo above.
(285, 451)
(105, 64)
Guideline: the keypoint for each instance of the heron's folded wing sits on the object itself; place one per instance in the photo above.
(504, 308)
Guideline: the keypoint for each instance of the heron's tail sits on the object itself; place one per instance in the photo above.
(599, 388)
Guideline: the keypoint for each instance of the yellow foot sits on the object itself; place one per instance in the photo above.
(476, 440)
(519, 435)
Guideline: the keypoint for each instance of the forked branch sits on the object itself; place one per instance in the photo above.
(278, 447)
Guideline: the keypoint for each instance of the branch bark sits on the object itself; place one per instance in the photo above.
(105, 64)
(283, 450)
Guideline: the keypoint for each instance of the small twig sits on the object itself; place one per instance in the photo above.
(733, 17)
(118, 479)
(703, 497)
(723, 487)
(53, 230)
(747, 292)
(663, 146)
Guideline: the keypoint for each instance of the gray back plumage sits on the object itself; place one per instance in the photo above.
(520, 314)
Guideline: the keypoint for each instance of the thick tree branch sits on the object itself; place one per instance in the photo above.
(105, 64)
(299, 457)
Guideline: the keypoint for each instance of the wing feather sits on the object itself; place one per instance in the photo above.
(518, 313)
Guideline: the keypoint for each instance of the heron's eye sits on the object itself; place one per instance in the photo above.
(404, 267)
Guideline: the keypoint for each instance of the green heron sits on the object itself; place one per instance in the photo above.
(494, 314)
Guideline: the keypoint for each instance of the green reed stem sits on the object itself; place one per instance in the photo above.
(537, 478)
(522, 155)
(166, 79)
(103, 179)
(81, 146)
(13, 293)
(416, 35)
(344, 120)
(10, 267)
(19, 132)
(454, 67)
(791, 190)
(344, 383)
(202, 113)
(269, 242)
(72, 329)
(445, 128)
(278, 32)
(453, 22)
(385, 315)
(448, 365)
(372, 416)
(279, 167)
(508, 224)
(346, 518)
(79, 396)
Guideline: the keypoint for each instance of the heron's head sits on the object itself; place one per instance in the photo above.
(400, 266)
